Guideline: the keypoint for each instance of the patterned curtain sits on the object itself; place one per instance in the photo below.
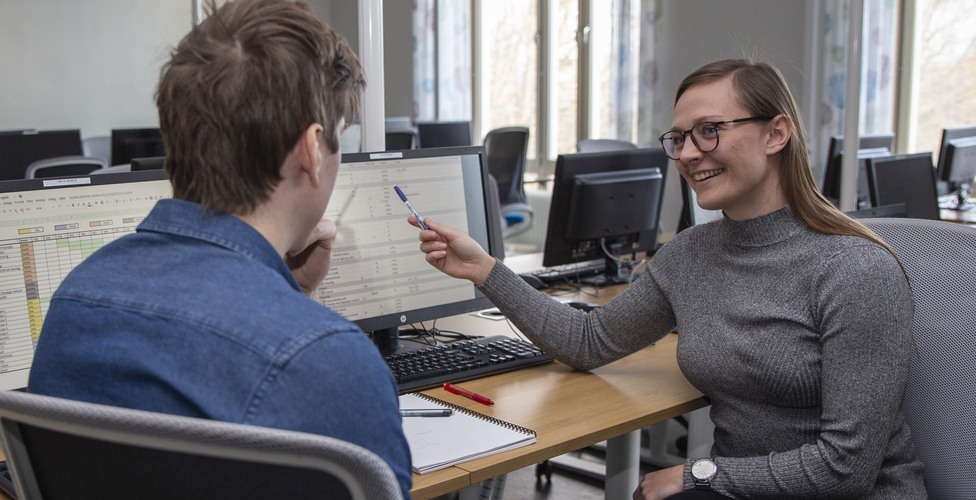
(879, 41)
(649, 96)
(442, 60)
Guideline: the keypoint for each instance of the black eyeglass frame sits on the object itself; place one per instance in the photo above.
(667, 135)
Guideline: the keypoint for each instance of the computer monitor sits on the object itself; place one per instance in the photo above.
(19, 149)
(379, 278)
(960, 169)
(132, 143)
(47, 227)
(908, 179)
(566, 243)
(950, 134)
(831, 187)
(831, 179)
(444, 134)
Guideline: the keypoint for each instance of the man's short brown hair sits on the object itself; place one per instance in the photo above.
(239, 91)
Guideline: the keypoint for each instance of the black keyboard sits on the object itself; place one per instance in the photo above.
(463, 360)
(568, 272)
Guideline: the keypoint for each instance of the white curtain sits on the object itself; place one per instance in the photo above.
(442, 60)
(879, 41)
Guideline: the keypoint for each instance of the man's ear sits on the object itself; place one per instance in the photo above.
(780, 131)
(310, 152)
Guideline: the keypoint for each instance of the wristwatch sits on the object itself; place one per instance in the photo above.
(702, 472)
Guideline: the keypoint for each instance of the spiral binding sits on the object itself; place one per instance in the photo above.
(475, 414)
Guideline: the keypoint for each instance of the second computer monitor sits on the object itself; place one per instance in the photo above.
(563, 244)
(49, 226)
(442, 134)
(908, 179)
(136, 143)
(19, 149)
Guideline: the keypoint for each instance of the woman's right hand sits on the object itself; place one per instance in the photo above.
(453, 252)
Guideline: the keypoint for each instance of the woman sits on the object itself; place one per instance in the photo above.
(793, 319)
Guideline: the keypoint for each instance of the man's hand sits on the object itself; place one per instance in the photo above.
(311, 264)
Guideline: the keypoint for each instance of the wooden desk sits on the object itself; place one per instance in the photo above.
(962, 217)
(568, 409)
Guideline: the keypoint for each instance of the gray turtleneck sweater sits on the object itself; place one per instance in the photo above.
(800, 340)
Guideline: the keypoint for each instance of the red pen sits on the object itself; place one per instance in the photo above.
(468, 394)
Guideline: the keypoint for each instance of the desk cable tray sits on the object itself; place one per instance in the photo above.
(463, 360)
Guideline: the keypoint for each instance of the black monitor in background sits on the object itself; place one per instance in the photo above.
(836, 147)
(19, 149)
(129, 143)
(566, 242)
(691, 213)
(908, 179)
(960, 169)
(950, 134)
(444, 134)
(379, 278)
(48, 226)
(831, 187)
(151, 163)
(893, 210)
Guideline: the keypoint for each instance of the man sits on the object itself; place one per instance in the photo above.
(202, 311)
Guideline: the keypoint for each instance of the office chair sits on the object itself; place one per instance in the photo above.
(940, 398)
(98, 146)
(596, 145)
(60, 448)
(61, 166)
(506, 149)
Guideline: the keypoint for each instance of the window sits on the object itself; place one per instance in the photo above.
(567, 69)
(942, 93)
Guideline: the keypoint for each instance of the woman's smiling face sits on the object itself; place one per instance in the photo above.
(741, 176)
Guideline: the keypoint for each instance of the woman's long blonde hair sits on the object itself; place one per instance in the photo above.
(762, 90)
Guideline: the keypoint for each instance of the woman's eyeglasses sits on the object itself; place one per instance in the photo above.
(704, 135)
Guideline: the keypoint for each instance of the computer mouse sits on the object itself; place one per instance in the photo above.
(581, 305)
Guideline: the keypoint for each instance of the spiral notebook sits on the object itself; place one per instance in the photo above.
(440, 442)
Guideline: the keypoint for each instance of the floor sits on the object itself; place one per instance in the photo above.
(562, 484)
(523, 485)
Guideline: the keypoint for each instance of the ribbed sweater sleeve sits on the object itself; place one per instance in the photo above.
(800, 340)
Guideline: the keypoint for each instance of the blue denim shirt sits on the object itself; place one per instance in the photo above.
(196, 314)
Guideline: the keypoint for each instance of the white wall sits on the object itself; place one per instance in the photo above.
(694, 32)
(89, 64)
(94, 64)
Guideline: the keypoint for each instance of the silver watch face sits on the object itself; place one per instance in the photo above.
(703, 469)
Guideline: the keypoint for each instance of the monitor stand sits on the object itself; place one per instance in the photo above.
(387, 340)
(613, 272)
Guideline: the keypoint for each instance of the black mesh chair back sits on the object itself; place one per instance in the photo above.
(58, 448)
(506, 150)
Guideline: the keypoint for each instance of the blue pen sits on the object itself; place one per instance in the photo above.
(412, 210)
